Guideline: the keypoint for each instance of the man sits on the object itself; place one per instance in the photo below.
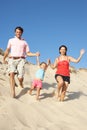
(18, 49)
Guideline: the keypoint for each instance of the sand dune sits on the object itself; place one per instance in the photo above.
(25, 113)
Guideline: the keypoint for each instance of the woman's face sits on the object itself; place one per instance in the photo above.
(63, 51)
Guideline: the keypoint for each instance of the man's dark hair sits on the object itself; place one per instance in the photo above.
(19, 28)
(64, 47)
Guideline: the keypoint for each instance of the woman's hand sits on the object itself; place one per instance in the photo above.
(82, 51)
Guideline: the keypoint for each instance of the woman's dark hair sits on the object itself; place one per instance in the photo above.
(19, 28)
(64, 47)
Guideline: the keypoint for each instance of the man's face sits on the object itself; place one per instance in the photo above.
(18, 33)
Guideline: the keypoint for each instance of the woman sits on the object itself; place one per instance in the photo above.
(62, 75)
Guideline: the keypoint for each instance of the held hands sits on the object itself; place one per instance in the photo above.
(48, 62)
(37, 53)
(5, 62)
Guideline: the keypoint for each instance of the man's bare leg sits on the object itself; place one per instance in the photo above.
(21, 82)
(12, 84)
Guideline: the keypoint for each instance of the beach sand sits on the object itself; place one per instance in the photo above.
(25, 113)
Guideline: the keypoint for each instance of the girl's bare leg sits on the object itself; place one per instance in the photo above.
(31, 89)
(38, 93)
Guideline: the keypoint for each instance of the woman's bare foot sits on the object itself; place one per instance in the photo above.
(13, 95)
(37, 98)
(53, 93)
(62, 97)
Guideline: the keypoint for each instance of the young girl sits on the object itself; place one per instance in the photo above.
(37, 82)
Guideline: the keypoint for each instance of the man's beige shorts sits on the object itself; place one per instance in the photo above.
(16, 66)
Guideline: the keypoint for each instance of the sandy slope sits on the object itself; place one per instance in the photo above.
(25, 113)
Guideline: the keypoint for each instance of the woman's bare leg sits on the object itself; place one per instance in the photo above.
(63, 92)
(60, 85)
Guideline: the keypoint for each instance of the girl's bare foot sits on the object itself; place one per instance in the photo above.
(13, 95)
(29, 92)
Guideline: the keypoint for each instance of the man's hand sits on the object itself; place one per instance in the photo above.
(5, 62)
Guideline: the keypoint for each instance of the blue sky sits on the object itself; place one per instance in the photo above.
(47, 25)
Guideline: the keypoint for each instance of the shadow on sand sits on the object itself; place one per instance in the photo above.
(74, 95)
(45, 86)
(47, 95)
(23, 92)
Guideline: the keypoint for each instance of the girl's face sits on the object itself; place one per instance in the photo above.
(43, 66)
(63, 50)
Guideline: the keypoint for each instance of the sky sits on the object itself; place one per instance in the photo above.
(47, 25)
